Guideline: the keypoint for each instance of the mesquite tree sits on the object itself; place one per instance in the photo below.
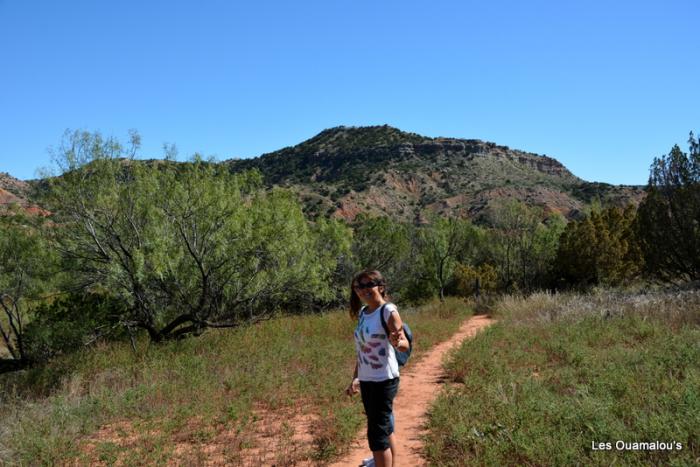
(383, 244)
(184, 246)
(522, 246)
(243, 251)
(108, 230)
(441, 243)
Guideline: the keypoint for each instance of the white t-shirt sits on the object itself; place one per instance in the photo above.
(376, 360)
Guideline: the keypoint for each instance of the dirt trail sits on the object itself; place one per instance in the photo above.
(419, 385)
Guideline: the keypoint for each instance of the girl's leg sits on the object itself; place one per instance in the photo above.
(391, 460)
(392, 438)
(392, 448)
(378, 401)
(383, 458)
(388, 461)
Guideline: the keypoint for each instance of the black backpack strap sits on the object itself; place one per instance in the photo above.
(381, 317)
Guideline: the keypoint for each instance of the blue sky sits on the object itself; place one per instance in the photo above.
(602, 86)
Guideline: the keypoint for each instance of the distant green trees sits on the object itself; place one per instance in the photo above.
(418, 260)
(661, 239)
(473, 281)
(454, 256)
(600, 249)
(333, 245)
(443, 243)
(523, 245)
(668, 221)
(380, 243)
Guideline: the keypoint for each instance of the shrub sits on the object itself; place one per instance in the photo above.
(469, 280)
(71, 322)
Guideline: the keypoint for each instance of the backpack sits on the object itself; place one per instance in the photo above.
(401, 357)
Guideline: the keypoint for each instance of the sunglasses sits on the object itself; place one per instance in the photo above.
(366, 285)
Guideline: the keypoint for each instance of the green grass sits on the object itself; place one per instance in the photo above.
(90, 406)
(558, 373)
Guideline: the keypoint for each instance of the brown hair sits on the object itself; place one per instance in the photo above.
(374, 276)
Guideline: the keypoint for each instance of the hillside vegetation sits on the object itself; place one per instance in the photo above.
(381, 170)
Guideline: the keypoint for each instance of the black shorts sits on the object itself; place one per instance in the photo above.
(378, 399)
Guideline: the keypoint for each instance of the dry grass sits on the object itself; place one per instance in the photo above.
(676, 309)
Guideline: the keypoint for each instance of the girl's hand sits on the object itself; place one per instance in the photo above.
(354, 387)
(397, 339)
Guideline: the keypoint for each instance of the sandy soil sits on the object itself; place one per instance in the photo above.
(419, 385)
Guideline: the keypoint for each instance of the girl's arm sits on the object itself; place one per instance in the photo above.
(354, 386)
(397, 337)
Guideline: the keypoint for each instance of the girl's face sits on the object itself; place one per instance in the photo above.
(368, 291)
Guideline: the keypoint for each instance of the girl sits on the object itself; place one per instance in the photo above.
(376, 373)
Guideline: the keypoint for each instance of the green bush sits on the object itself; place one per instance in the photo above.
(71, 322)
(466, 278)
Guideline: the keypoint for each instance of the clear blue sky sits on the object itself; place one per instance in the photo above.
(603, 86)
